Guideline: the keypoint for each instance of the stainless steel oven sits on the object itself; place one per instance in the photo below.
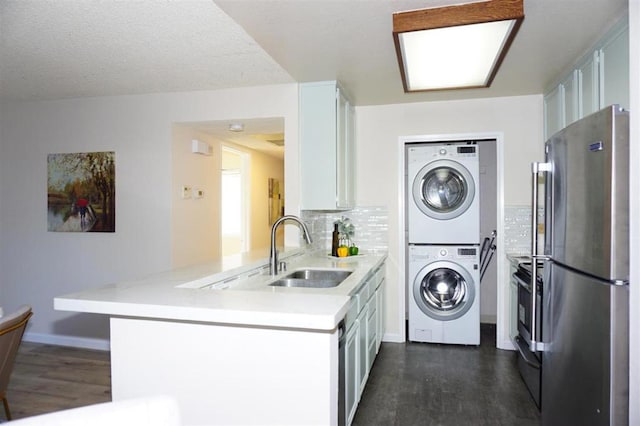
(529, 362)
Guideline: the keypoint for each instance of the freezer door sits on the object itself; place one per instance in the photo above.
(587, 202)
(585, 365)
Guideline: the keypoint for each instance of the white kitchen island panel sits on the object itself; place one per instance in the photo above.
(228, 375)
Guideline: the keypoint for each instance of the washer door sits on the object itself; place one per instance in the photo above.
(444, 290)
(443, 189)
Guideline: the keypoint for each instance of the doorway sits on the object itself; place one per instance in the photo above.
(491, 148)
(234, 202)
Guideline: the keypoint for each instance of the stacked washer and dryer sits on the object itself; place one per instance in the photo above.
(443, 218)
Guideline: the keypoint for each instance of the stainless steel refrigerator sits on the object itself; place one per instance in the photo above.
(584, 332)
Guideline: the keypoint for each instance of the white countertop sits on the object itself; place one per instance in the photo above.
(186, 294)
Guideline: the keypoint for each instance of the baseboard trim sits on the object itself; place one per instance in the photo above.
(392, 338)
(506, 345)
(73, 341)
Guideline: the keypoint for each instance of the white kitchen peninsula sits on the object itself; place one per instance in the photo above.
(229, 347)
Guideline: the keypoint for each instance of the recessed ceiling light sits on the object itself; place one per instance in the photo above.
(455, 47)
(236, 127)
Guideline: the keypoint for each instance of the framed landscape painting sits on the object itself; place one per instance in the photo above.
(81, 190)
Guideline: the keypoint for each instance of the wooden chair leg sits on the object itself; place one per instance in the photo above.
(6, 408)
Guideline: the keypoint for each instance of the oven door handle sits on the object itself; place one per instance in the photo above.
(526, 355)
(521, 282)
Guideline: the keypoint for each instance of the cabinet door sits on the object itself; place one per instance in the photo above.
(570, 94)
(614, 70)
(318, 129)
(363, 372)
(350, 184)
(352, 380)
(327, 156)
(380, 315)
(588, 86)
(372, 330)
(554, 111)
(345, 152)
(342, 151)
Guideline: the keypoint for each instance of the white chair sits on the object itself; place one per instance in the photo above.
(11, 330)
(148, 411)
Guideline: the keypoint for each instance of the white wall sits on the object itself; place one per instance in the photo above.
(195, 230)
(518, 118)
(263, 167)
(36, 265)
(196, 233)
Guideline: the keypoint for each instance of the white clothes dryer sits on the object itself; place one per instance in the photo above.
(443, 193)
(444, 294)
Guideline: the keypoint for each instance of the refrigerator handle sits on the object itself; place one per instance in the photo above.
(536, 169)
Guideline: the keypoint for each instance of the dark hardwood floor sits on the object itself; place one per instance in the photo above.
(446, 385)
(410, 384)
(49, 378)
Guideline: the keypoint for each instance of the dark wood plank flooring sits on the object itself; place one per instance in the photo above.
(49, 378)
(446, 385)
(410, 384)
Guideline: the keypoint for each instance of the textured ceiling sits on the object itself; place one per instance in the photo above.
(64, 49)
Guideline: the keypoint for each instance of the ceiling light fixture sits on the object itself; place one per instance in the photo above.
(236, 127)
(454, 47)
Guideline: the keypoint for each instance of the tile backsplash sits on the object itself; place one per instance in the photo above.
(371, 227)
(517, 229)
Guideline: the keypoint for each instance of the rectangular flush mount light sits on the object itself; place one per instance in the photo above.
(455, 47)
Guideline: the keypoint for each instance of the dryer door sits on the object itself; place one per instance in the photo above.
(444, 290)
(443, 189)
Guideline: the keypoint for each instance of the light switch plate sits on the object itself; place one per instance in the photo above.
(186, 192)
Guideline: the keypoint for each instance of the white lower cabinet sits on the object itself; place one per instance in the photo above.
(380, 314)
(363, 373)
(364, 336)
(372, 320)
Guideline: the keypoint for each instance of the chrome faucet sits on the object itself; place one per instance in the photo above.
(273, 255)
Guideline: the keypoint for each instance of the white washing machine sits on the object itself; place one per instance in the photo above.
(443, 193)
(444, 294)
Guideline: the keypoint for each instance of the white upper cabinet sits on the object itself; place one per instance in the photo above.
(614, 69)
(599, 79)
(327, 147)
(588, 87)
(554, 110)
(570, 97)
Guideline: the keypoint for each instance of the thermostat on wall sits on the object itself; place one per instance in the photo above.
(199, 147)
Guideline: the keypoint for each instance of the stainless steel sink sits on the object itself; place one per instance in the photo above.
(320, 274)
(312, 278)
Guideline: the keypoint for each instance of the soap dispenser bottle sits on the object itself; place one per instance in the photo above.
(335, 241)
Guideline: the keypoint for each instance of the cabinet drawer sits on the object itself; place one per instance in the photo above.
(362, 295)
(352, 314)
(372, 307)
(379, 276)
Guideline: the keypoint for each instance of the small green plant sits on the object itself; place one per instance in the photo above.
(346, 230)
